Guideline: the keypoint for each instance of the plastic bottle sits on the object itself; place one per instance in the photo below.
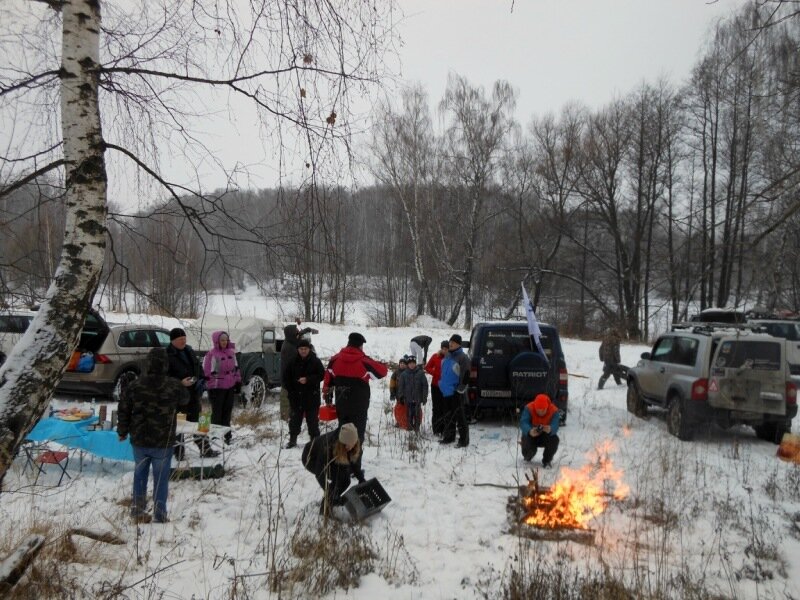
(204, 422)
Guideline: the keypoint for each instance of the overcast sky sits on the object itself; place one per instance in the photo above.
(551, 51)
(554, 51)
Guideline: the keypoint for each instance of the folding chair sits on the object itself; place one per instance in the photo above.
(38, 456)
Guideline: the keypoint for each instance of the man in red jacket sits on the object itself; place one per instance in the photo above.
(348, 374)
(434, 369)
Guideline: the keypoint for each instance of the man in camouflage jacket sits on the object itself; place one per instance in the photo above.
(609, 354)
(147, 412)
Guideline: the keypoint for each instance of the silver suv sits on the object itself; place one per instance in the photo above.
(116, 355)
(723, 374)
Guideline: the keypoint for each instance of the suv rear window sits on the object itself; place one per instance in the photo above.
(783, 330)
(761, 356)
(509, 343)
(14, 323)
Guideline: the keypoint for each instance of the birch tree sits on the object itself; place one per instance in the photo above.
(156, 70)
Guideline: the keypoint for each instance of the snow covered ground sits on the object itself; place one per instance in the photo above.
(721, 512)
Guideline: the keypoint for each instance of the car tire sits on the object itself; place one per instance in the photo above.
(677, 420)
(256, 389)
(635, 403)
(772, 432)
(123, 380)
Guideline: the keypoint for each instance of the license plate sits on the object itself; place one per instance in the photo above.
(496, 393)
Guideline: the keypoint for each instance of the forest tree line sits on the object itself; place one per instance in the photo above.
(668, 200)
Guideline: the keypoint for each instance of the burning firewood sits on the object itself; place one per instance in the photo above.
(576, 498)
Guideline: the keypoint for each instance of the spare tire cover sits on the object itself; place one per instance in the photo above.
(528, 373)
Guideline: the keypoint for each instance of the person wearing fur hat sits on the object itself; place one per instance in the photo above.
(539, 426)
(302, 377)
(348, 375)
(333, 458)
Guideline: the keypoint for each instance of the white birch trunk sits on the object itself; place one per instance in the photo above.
(33, 369)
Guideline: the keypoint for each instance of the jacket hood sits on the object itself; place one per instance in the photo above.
(290, 333)
(215, 339)
(157, 361)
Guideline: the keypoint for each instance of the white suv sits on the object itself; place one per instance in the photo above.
(13, 324)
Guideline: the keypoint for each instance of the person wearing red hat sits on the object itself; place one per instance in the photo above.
(539, 426)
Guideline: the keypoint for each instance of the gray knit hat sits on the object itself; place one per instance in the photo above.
(348, 434)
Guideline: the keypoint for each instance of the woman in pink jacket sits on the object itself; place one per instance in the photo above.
(223, 379)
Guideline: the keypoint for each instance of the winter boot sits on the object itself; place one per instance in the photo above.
(292, 443)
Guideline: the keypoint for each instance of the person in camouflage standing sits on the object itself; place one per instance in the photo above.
(147, 412)
(609, 354)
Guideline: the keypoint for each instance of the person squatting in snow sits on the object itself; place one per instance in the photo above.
(333, 458)
(539, 426)
(412, 390)
(223, 379)
(301, 379)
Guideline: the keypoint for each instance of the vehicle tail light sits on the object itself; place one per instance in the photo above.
(562, 376)
(472, 395)
(102, 359)
(700, 389)
(791, 393)
(473, 374)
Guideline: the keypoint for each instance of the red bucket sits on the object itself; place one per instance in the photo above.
(327, 412)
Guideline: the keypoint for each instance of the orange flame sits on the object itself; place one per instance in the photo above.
(578, 496)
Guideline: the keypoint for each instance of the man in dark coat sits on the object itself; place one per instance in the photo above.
(186, 368)
(147, 411)
(302, 378)
(609, 354)
(291, 335)
(349, 373)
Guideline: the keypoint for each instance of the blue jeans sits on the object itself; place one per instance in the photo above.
(161, 460)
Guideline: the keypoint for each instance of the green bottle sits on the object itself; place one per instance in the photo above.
(204, 422)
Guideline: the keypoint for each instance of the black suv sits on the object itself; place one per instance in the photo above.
(506, 370)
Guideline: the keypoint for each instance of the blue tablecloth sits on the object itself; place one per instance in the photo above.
(74, 434)
(55, 430)
(106, 444)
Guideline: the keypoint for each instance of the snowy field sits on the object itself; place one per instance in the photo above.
(721, 512)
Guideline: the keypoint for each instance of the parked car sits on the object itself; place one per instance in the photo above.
(723, 374)
(788, 329)
(13, 324)
(507, 371)
(257, 350)
(109, 356)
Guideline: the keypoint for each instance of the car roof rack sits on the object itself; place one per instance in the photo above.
(710, 327)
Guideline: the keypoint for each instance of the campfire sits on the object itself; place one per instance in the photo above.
(565, 510)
